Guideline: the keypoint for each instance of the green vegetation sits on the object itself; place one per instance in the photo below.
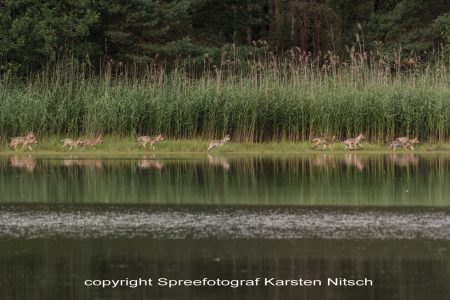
(273, 99)
(261, 71)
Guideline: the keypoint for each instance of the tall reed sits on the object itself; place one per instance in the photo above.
(267, 97)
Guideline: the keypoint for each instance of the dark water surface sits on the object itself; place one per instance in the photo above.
(381, 217)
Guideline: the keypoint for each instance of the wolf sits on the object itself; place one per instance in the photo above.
(71, 143)
(92, 142)
(25, 141)
(404, 142)
(325, 141)
(219, 143)
(354, 142)
(396, 144)
(144, 140)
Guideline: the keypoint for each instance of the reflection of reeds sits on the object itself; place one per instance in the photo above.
(297, 180)
(218, 161)
(28, 163)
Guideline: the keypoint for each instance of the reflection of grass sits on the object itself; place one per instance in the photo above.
(128, 145)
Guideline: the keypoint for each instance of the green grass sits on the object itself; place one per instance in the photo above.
(126, 145)
(278, 101)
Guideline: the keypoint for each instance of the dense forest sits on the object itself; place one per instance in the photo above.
(34, 33)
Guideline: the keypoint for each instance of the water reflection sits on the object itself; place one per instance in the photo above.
(150, 164)
(219, 161)
(324, 161)
(354, 160)
(89, 163)
(404, 160)
(320, 179)
(27, 163)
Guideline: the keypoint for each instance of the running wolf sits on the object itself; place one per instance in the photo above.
(219, 143)
(71, 143)
(25, 141)
(92, 142)
(404, 142)
(144, 140)
(325, 141)
(354, 142)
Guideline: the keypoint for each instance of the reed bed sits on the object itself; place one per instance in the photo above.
(266, 98)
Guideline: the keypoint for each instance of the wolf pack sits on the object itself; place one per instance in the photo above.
(326, 142)
(355, 143)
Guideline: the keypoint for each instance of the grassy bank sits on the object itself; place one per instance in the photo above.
(273, 100)
(121, 145)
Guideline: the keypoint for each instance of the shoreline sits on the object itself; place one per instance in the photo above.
(128, 146)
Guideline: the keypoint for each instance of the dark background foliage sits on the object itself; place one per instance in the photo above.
(37, 32)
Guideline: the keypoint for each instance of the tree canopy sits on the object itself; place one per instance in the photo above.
(36, 32)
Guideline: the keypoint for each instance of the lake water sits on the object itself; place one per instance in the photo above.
(384, 217)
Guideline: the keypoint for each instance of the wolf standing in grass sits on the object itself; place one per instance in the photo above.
(25, 141)
(144, 140)
(354, 142)
(219, 143)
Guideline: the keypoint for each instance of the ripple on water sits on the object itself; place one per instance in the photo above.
(223, 223)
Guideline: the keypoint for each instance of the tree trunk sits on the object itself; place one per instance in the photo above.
(316, 29)
(304, 29)
(376, 5)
